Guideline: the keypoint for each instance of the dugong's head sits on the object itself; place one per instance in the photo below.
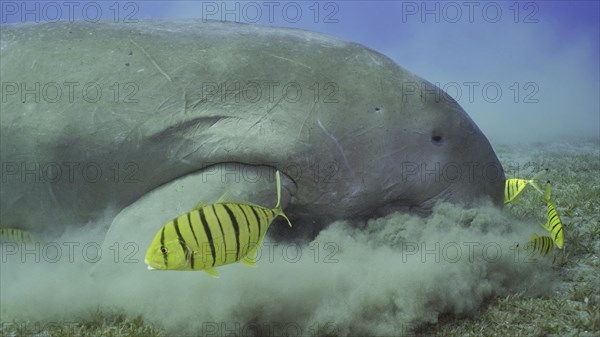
(354, 134)
(451, 158)
(417, 145)
(433, 152)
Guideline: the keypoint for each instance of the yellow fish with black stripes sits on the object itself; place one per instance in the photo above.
(554, 225)
(213, 235)
(539, 244)
(14, 235)
(513, 187)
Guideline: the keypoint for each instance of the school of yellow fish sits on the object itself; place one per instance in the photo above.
(541, 245)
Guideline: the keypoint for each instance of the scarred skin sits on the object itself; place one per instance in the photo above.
(361, 139)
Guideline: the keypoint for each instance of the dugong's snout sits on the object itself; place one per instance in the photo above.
(469, 170)
(479, 175)
(445, 157)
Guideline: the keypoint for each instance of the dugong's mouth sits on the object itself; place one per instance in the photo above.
(423, 207)
(403, 207)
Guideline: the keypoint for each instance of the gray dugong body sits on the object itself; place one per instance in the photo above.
(98, 115)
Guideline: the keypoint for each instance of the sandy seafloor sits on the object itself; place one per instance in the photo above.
(455, 273)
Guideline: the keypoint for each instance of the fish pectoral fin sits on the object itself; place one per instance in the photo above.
(212, 272)
(248, 261)
(250, 258)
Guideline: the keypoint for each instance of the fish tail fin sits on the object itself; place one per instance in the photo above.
(536, 186)
(536, 178)
(278, 210)
(539, 175)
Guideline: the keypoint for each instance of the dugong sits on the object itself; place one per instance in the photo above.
(159, 115)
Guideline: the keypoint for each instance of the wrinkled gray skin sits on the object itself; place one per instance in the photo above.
(357, 146)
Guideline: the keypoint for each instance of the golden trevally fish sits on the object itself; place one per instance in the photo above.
(15, 235)
(513, 187)
(213, 235)
(539, 244)
(554, 225)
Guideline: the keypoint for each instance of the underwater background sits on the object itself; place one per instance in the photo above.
(528, 75)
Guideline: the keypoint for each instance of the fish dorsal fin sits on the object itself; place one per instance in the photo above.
(545, 226)
(278, 210)
(278, 180)
(199, 205)
(212, 272)
(225, 197)
(516, 201)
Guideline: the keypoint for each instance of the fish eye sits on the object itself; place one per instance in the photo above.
(163, 250)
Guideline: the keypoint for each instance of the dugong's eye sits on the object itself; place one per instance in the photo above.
(164, 250)
(436, 140)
